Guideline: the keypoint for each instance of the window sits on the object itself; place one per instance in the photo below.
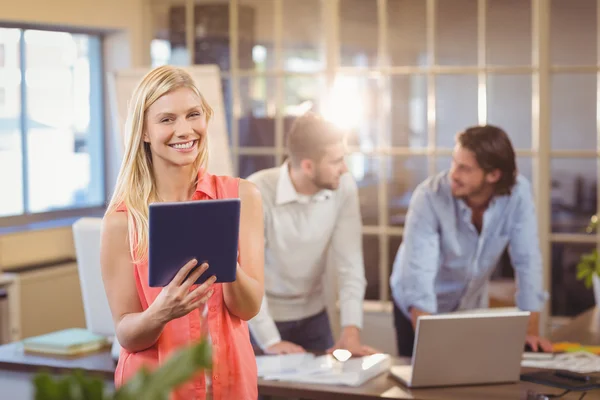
(51, 121)
(405, 76)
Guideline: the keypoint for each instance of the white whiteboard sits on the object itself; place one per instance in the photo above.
(122, 83)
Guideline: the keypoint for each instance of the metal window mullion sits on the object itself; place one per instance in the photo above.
(574, 153)
(24, 125)
(279, 72)
(330, 12)
(572, 238)
(431, 60)
(96, 129)
(387, 230)
(279, 81)
(575, 68)
(190, 30)
(439, 69)
(481, 62)
(448, 151)
(407, 70)
(541, 129)
(275, 73)
(234, 82)
(384, 112)
(404, 151)
(148, 26)
(259, 151)
(598, 117)
(333, 48)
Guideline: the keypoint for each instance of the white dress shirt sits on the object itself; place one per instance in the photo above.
(302, 233)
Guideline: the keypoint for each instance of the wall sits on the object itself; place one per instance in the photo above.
(127, 16)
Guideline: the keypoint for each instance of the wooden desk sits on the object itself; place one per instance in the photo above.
(13, 331)
(98, 364)
(17, 370)
(386, 387)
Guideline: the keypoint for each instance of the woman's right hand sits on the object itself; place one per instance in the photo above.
(176, 299)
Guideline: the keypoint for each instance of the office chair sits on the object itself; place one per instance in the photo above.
(98, 318)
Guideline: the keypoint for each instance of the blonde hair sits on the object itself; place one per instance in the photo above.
(136, 186)
(309, 137)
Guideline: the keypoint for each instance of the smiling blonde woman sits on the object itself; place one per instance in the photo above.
(166, 151)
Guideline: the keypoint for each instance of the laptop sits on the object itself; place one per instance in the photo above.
(466, 349)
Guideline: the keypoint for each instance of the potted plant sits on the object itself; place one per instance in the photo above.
(146, 385)
(588, 268)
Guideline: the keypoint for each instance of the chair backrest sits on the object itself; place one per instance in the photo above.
(86, 235)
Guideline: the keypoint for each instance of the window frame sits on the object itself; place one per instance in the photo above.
(26, 218)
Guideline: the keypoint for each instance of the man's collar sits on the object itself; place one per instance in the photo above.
(286, 192)
(465, 207)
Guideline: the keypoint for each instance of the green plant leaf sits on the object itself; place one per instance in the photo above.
(588, 265)
(45, 387)
(71, 387)
(588, 281)
(179, 368)
(593, 224)
(589, 258)
(582, 274)
(134, 385)
(156, 385)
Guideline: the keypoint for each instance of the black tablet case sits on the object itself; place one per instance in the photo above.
(206, 230)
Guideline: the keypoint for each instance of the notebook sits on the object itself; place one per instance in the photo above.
(68, 342)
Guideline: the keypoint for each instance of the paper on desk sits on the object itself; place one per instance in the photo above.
(580, 361)
(287, 364)
(323, 369)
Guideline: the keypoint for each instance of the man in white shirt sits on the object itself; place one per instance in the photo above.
(312, 216)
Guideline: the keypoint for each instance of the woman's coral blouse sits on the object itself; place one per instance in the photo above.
(234, 374)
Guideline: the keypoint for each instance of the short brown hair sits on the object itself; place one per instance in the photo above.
(493, 150)
(308, 137)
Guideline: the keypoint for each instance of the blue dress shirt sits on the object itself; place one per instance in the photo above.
(444, 264)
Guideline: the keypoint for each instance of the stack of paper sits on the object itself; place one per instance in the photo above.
(582, 362)
(326, 369)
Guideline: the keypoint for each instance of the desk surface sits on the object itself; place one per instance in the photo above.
(13, 358)
(385, 387)
(585, 328)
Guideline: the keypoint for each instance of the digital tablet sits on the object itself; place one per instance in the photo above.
(206, 230)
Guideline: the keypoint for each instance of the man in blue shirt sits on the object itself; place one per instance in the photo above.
(458, 225)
